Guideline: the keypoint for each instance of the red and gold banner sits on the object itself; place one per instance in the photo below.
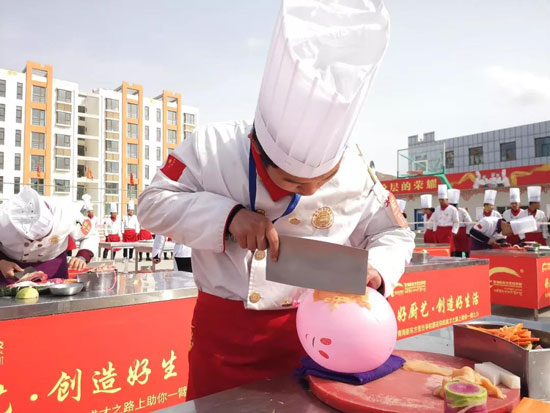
(429, 300)
(490, 178)
(115, 360)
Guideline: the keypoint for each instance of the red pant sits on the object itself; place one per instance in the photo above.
(535, 236)
(429, 237)
(232, 346)
(444, 235)
(462, 240)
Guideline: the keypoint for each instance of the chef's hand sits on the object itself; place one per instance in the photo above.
(156, 260)
(374, 280)
(255, 232)
(76, 264)
(8, 268)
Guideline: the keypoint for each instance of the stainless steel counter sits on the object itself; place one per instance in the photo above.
(440, 263)
(422, 245)
(512, 253)
(127, 289)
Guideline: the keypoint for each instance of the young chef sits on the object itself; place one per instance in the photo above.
(426, 204)
(445, 218)
(130, 229)
(230, 189)
(113, 229)
(34, 233)
(541, 233)
(515, 212)
(461, 239)
(490, 232)
(489, 199)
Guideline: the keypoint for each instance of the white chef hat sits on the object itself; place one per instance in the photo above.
(321, 62)
(29, 214)
(402, 204)
(113, 207)
(442, 192)
(454, 196)
(87, 202)
(490, 196)
(515, 195)
(533, 193)
(426, 201)
(524, 225)
(131, 205)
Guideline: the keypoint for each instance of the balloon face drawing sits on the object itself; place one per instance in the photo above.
(344, 332)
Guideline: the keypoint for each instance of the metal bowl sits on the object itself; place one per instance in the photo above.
(97, 281)
(66, 289)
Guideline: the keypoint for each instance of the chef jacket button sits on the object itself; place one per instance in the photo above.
(260, 211)
(259, 255)
(26, 244)
(255, 297)
(39, 245)
(286, 303)
(294, 221)
(24, 255)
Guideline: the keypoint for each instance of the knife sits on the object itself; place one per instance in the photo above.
(319, 265)
(20, 274)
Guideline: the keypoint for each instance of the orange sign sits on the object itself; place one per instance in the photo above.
(114, 360)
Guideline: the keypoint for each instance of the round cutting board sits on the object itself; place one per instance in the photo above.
(401, 391)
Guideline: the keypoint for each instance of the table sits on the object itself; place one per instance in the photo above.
(147, 246)
(519, 278)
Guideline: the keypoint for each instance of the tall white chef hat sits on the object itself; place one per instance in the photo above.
(29, 214)
(454, 196)
(442, 192)
(426, 201)
(321, 62)
(131, 205)
(490, 196)
(402, 204)
(524, 225)
(515, 195)
(87, 202)
(533, 193)
(113, 207)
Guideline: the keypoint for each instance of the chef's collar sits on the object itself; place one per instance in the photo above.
(276, 193)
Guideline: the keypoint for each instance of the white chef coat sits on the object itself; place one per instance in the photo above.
(509, 217)
(113, 227)
(180, 250)
(67, 221)
(542, 222)
(465, 219)
(429, 222)
(130, 222)
(93, 221)
(446, 218)
(207, 176)
(488, 227)
(494, 213)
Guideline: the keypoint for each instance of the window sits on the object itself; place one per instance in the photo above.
(132, 150)
(16, 185)
(17, 161)
(132, 169)
(37, 160)
(80, 190)
(38, 117)
(62, 185)
(64, 95)
(450, 159)
(111, 188)
(38, 140)
(542, 146)
(158, 115)
(2, 135)
(132, 130)
(146, 133)
(508, 151)
(158, 154)
(63, 118)
(18, 138)
(146, 171)
(189, 118)
(62, 163)
(172, 136)
(38, 185)
(19, 90)
(111, 167)
(1, 160)
(187, 134)
(146, 152)
(19, 114)
(39, 94)
(476, 155)
(172, 117)
(132, 191)
(158, 134)
(111, 105)
(1, 184)
(63, 141)
(111, 146)
(132, 110)
(2, 112)
(2, 88)
(146, 112)
(111, 125)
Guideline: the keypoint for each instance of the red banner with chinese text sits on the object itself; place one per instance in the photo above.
(490, 178)
(429, 300)
(113, 360)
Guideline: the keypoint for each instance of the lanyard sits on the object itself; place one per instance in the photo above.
(252, 190)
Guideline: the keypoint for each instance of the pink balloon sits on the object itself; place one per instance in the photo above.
(341, 333)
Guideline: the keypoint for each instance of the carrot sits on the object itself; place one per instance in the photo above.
(516, 334)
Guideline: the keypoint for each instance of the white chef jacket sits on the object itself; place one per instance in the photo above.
(207, 176)
(93, 221)
(494, 213)
(180, 250)
(509, 217)
(130, 222)
(429, 222)
(465, 219)
(542, 222)
(488, 227)
(446, 218)
(113, 227)
(67, 221)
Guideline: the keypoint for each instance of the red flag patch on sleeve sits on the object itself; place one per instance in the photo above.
(391, 203)
(173, 168)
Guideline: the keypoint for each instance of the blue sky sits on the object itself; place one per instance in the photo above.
(453, 67)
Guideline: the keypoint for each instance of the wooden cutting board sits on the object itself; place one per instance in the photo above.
(401, 391)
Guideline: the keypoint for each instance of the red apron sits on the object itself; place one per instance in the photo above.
(462, 240)
(444, 235)
(129, 235)
(429, 237)
(71, 245)
(113, 238)
(535, 236)
(513, 239)
(144, 235)
(232, 346)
